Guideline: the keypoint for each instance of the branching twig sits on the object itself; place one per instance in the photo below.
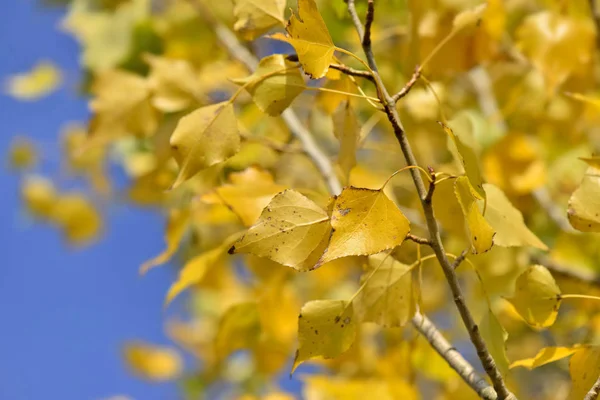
(453, 357)
(576, 274)
(435, 237)
(411, 82)
(458, 260)
(352, 72)
(240, 53)
(594, 391)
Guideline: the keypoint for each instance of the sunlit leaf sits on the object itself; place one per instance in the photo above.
(537, 297)
(386, 298)
(77, 217)
(42, 80)
(177, 225)
(292, 230)
(545, 356)
(584, 205)
(310, 37)
(480, 232)
(204, 138)
(584, 368)
(255, 17)
(275, 84)
(470, 16)
(154, 363)
(39, 196)
(364, 222)
(326, 387)
(326, 328)
(239, 328)
(508, 222)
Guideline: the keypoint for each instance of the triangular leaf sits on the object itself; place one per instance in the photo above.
(176, 227)
(545, 356)
(584, 205)
(255, 17)
(480, 232)
(584, 368)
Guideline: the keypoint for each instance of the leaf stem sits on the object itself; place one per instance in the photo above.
(322, 89)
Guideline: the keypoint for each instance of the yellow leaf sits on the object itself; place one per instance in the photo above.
(495, 337)
(508, 222)
(466, 155)
(347, 130)
(77, 217)
(203, 138)
(537, 297)
(275, 84)
(470, 16)
(255, 17)
(326, 328)
(545, 356)
(292, 230)
(386, 298)
(239, 328)
(174, 83)
(22, 153)
(249, 194)
(480, 232)
(365, 221)
(310, 38)
(330, 101)
(42, 80)
(39, 196)
(328, 388)
(151, 362)
(584, 205)
(593, 162)
(584, 369)
(177, 225)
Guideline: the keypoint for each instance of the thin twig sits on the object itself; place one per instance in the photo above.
(575, 274)
(594, 391)
(243, 55)
(411, 82)
(458, 260)
(390, 109)
(454, 359)
(352, 72)
(418, 239)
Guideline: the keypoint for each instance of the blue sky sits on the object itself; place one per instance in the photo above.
(65, 313)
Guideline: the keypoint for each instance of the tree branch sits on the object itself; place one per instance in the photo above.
(576, 274)
(594, 391)
(458, 260)
(390, 109)
(353, 72)
(243, 55)
(411, 82)
(418, 239)
(454, 359)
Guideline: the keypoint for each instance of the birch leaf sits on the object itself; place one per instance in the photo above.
(386, 298)
(584, 368)
(255, 17)
(468, 159)
(292, 230)
(480, 232)
(495, 337)
(310, 37)
(177, 224)
(42, 80)
(537, 297)
(153, 363)
(326, 328)
(584, 205)
(274, 91)
(347, 130)
(544, 356)
(364, 221)
(508, 222)
(203, 138)
(77, 217)
(239, 328)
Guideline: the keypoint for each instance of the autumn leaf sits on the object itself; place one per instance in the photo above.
(508, 222)
(326, 328)
(41, 81)
(326, 387)
(239, 328)
(495, 337)
(310, 37)
(584, 205)
(330, 101)
(470, 16)
(346, 129)
(255, 17)
(584, 368)
(177, 225)
(464, 153)
(545, 356)
(480, 232)
(154, 363)
(386, 297)
(77, 217)
(39, 196)
(203, 138)
(364, 221)
(292, 230)
(537, 297)
(274, 85)
(22, 153)
(593, 162)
